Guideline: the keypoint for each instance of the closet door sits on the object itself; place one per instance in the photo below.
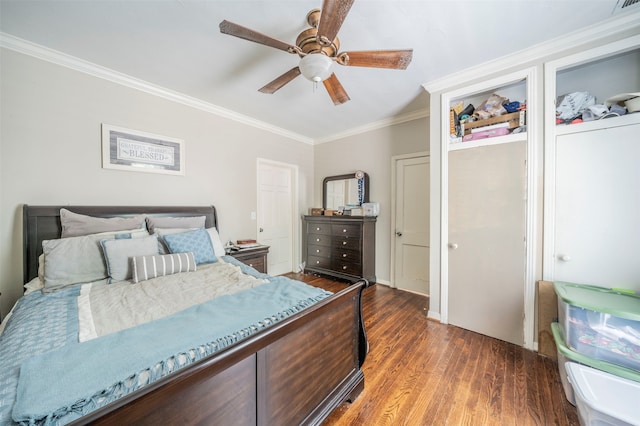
(487, 216)
(597, 214)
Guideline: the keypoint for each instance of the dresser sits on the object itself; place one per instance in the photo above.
(342, 247)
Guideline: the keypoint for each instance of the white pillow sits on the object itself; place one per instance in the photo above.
(33, 285)
(218, 247)
(118, 254)
(216, 242)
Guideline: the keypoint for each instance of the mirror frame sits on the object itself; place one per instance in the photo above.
(365, 198)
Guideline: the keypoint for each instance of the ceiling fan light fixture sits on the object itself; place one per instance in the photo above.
(316, 67)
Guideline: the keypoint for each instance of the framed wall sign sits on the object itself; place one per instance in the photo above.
(132, 150)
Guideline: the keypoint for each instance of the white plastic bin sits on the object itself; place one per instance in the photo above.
(565, 355)
(604, 399)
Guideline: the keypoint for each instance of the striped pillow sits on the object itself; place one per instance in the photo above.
(147, 267)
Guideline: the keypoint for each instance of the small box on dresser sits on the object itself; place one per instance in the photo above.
(342, 247)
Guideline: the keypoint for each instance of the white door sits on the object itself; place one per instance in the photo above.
(335, 190)
(411, 263)
(275, 213)
(487, 216)
(597, 208)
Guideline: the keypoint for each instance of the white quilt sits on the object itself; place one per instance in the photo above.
(107, 308)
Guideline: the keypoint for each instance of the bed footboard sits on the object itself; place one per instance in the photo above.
(295, 372)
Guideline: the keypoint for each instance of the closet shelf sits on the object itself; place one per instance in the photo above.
(510, 138)
(625, 120)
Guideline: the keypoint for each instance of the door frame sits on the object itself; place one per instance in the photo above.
(394, 165)
(530, 75)
(295, 235)
(551, 68)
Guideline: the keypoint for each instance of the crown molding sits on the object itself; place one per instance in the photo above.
(618, 24)
(403, 118)
(19, 45)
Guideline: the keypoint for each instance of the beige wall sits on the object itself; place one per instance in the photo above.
(372, 152)
(50, 153)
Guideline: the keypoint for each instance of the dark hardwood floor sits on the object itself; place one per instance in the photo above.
(421, 372)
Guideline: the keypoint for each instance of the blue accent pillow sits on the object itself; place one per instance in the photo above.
(197, 241)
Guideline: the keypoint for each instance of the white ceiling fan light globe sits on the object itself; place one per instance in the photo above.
(316, 67)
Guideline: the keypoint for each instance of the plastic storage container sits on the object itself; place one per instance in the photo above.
(567, 355)
(604, 399)
(600, 323)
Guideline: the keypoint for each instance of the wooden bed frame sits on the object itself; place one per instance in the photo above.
(295, 372)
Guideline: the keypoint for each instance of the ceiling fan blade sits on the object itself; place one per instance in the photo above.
(395, 59)
(239, 31)
(280, 81)
(332, 16)
(336, 91)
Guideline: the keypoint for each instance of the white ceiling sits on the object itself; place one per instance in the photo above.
(177, 45)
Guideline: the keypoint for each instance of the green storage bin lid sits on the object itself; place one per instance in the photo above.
(608, 367)
(618, 303)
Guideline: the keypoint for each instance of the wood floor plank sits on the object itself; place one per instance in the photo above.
(420, 372)
(424, 412)
(496, 387)
(451, 378)
(463, 404)
(519, 390)
(417, 411)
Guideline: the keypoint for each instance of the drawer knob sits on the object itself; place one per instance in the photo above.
(344, 255)
(317, 239)
(318, 228)
(318, 251)
(344, 267)
(344, 230)
(344, 243)
(251, 264)
(317, 262)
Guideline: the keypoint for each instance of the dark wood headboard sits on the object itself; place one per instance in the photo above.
(43, 223)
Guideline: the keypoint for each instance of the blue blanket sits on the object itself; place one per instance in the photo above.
(89, 375)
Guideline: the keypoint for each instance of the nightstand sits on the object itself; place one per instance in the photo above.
(255, 257)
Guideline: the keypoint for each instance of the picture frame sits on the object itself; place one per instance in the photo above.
(133, 150)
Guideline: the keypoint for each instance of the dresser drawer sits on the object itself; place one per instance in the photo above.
(318, 228)
(340, 242)
(254, 257)
(319, 240)
(346, 230)
(258, 263)
(319, 262)
(346, 267)
(346, 255)
(318, 251)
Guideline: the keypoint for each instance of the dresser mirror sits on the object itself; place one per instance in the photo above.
(350, 190)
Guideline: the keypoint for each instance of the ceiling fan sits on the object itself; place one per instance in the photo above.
(318, 48)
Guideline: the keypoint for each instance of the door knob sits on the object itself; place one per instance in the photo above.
(453, 246)
(261, 230)
(564, 257)
(399, 234)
